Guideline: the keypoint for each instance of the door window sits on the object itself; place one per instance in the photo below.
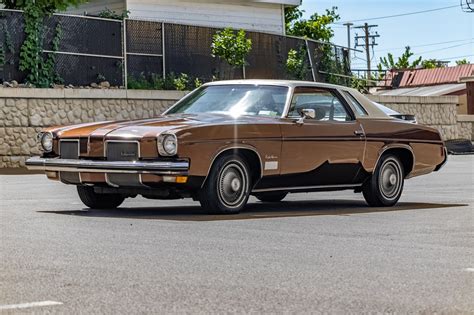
(325, 104)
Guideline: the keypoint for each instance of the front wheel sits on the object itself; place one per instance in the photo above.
(385, 186)
(227, 187)
(94, 200)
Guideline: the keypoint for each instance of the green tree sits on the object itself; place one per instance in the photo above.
(317, 27)
(231, 46)
(45, 6)
(462, 62)
(403, 62)
(432, 64)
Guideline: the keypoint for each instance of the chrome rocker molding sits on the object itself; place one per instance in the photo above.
(124, 167)
(308, 188)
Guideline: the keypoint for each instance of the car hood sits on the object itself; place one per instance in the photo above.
(153, 126)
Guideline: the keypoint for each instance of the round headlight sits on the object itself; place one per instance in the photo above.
(170, 145)
(47, 141)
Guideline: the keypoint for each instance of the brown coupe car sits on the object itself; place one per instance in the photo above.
(228, 140)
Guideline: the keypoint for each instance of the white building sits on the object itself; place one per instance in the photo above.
(253, 15)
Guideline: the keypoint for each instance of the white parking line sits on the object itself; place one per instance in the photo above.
(28, 305)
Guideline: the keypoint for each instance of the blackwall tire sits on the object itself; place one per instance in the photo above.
(385, 186)
(94, 200)
(227, 188)
(271, 196)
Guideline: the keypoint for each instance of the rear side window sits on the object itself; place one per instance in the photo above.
(357, 106)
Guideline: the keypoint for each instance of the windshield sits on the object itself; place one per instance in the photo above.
(234, 100)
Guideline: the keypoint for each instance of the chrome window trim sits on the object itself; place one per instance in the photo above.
(348, 95)
(335, 92)
(289, 97)
(181, 100)
(285, 108)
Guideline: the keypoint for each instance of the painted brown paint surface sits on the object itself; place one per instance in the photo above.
(281, 146)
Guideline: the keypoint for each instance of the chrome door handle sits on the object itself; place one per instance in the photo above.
(359, 132)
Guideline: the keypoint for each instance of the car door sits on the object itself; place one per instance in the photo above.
(326, 150)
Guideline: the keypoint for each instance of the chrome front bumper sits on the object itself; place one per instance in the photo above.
(180, 167)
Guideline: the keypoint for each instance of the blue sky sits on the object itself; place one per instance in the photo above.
(449, 25)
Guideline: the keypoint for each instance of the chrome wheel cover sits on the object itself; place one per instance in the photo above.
(232, 184)
(390, 179)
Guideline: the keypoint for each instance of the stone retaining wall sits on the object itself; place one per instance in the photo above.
(439, 112)
(465, 127)
(23, 112)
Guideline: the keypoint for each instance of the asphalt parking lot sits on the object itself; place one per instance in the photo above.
(318, 252)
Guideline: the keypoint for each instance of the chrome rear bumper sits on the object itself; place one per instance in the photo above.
(440, 166)
(179, 167)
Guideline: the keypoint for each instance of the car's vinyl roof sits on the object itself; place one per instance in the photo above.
(288, 83)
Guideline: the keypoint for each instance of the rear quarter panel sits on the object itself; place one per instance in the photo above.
(425, 143)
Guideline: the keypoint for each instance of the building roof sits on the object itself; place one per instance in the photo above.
(426, 77)
(433, 90)
(285, 2)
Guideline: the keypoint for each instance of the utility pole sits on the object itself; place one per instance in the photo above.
(349, 24)
(369, 41)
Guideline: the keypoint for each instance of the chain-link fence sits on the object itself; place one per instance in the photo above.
(94, 49)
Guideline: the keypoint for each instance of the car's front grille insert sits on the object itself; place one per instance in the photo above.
(69, 149)
(122, 151)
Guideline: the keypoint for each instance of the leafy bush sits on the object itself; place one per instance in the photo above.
(197, 83)
(231, 47)
(296, 64)
(110, 14)
(153, 81)
(181, 82)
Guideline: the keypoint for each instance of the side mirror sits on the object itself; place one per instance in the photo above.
(306, 113)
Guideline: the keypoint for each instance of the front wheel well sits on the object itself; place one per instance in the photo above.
(251, 157)
(405, 156)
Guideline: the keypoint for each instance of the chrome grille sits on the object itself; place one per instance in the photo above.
(122, 151)
(69, 149)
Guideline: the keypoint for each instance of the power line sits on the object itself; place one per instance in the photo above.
(457, 57)
(369, 41)
(444, 48)
(398, 15)
(425, 45)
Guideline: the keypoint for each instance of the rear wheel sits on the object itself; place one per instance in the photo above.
(385, 186)
(94, 200)
(271, 196)
(227, 187)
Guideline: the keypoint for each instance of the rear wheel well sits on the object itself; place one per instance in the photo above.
(405, 156)
(250, 156)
